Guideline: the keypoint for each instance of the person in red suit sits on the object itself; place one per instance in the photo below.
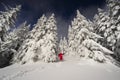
(60, 55)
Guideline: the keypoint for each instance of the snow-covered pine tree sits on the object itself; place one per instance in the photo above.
(74, 38)
(101, 21)
(114, 13)
(15, 39)
(77, 24)
(7, 20)
(27, 51)
(41, 43)
(49, 47)
(82, 36)
(17, 36)
(108, 25)
(63, 46)
(70, 40)
(114, 8)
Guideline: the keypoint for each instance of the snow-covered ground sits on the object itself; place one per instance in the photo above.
(69, 69)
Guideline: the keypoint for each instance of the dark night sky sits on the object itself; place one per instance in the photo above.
(64, 10)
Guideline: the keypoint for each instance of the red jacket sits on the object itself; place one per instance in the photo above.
(60, 55)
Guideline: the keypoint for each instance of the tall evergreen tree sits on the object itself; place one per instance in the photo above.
(41, 43)
(27, 49)
(63, 45)
(107, 24)
(83, 42)
(7, 20)
(49, 47)
(15, 39)
(102, 26)
(18, 35)
(114, 13)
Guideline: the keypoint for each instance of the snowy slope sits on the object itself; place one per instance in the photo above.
(70, 69)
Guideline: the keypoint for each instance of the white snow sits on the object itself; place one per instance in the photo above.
(69, 69)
